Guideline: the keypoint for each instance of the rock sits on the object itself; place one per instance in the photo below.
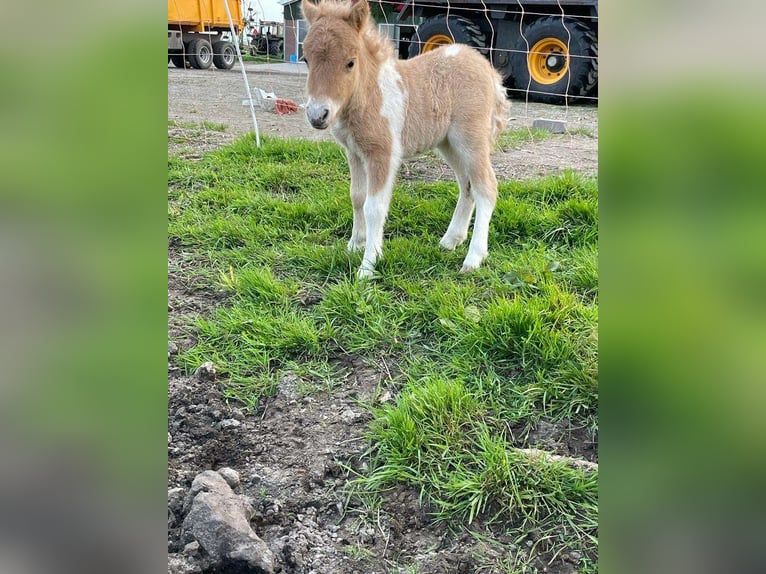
(191, 549)
(553, 126)
(230, 475)
(230, 424)
(205, 372)
(349, 416)
(218, 521)
(175, 499)
(288, 386)
(180, 564)
(172, 349)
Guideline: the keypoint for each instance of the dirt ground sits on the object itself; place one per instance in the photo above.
(216, 96)
(295, 455)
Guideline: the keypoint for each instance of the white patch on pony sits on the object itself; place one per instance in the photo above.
(392, 108)
(452, 50)
(376, 205)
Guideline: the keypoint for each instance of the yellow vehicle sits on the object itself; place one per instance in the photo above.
(199, 34)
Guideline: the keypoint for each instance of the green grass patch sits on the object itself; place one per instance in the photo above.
(439, 439)
(212, 126)
(510, 139)
(261, 59)
(512, 343)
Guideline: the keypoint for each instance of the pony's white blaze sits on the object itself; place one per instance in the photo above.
(383, 110)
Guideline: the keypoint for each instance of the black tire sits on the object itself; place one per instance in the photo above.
(275, 47)
(459, 30)
(200, 54)
(562, 82)
(179, 61)
(224, 55)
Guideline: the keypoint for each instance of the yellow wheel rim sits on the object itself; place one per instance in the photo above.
(435, 41)
(548, 61)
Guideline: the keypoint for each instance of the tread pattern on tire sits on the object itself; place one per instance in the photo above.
(195, 61)
(219, 56)
(179, 60)
(583, 71)
(275, 47)
(461, 30)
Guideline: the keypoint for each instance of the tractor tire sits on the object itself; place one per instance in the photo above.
(179, 61)
(200, 54)
(437, 31)
(275, 47)
(553, 66)
(224, 55)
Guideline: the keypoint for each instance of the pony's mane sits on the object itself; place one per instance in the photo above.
(378, 45)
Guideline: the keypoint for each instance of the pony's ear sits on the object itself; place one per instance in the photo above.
(310, 11)
(360, 12)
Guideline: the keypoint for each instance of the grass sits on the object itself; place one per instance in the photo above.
(262, 59)
(517, 137)
(510, 344)
(212, 126)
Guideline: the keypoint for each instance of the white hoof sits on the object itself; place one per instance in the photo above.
(450, 242)
(471, 263)
(363, 274)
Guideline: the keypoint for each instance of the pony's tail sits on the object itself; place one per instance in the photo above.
(502, 106)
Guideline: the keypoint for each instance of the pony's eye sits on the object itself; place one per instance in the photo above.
(350, 64)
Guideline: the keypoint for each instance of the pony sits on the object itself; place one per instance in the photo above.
(383, 110)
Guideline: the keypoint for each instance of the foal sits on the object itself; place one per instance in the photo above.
(382, 110)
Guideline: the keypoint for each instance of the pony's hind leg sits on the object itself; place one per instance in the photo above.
(484, 191)
(457, 231)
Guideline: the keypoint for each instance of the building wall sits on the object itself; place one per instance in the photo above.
(292, 13)
(290, 33)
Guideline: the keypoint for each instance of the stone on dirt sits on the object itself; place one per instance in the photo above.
(180, 564)
(230, 475)
(205, 372)
(553, 126)
(218, 521)
(175, 499)
(230, 424)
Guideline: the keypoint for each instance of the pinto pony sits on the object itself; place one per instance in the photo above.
(383, 110)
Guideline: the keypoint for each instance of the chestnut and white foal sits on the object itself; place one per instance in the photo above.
(383, 110)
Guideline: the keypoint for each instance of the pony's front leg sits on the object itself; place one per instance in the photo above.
(358, 195)
(380, 182)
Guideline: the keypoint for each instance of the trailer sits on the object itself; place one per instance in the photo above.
(546, 49)
(199, 34)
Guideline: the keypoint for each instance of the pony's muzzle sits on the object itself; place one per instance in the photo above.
(317, 114)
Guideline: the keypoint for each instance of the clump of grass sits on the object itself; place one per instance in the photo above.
(438, 439)
(216, 127)
(517, 137)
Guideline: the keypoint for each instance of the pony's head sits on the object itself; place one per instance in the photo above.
(332, 49)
